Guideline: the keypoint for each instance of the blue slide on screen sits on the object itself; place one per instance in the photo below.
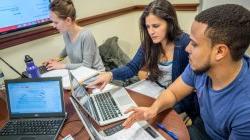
(38, 97)
(16, 14)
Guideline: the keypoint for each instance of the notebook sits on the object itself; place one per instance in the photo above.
(104, 107)
(81, 73)
(146, 87)
(138, 131)
(36, 109)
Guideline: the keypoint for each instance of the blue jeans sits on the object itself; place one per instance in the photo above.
(197, 130)
(189, 105)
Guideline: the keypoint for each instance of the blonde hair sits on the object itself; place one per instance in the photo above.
(63, 9)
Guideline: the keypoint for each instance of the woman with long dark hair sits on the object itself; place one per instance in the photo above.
(162, 51)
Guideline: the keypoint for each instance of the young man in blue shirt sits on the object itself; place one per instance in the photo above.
(218, 71)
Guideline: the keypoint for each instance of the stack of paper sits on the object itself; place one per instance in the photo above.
(135, 132)
(59, 73)
(147, 88)
(81, 74)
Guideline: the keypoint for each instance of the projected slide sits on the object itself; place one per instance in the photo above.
(16, 14)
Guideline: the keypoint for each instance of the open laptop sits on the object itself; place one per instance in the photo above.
(36, 109)
(104, 107)
(142, 131)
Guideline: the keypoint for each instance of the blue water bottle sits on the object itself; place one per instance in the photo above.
(31, 68)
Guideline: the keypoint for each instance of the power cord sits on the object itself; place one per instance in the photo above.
(78, 132)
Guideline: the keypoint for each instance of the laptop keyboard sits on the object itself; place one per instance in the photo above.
(113, 130)
(43, 69)
(31, 127)
(107, 106)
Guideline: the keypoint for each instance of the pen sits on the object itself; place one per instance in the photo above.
(171, 134)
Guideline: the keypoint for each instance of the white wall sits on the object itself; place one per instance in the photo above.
(87, 8)
(125, 27)
(210, 3)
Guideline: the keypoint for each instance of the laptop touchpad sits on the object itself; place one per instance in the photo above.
(123, 100)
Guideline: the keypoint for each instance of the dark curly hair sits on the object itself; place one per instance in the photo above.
(63, 9)
(228, 24)
(164, 10)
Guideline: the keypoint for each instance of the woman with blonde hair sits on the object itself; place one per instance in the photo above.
(80, 45)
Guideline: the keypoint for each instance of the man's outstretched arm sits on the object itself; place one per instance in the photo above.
(174, 93)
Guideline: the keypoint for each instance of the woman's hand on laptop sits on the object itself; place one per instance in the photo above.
(55, 65)
(51, 60)
(139, 114)
(45, 63)
(101, 81)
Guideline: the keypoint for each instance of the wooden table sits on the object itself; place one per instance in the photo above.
(73, 124)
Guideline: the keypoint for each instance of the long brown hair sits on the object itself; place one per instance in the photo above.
(164, 10)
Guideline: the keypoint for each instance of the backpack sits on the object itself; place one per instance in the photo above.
(114, 57)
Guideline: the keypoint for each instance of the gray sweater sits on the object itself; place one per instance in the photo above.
(83, 52)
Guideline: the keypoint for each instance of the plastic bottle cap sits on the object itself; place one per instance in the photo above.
(27, 58)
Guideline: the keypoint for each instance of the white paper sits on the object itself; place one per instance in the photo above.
(147, 88)
(135, 132)
(83, 73)
(106, 88)
(59, 73)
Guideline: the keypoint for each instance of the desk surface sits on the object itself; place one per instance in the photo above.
(73, 124)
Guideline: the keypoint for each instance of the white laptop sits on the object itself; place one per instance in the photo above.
(138, 131)
(104, 107)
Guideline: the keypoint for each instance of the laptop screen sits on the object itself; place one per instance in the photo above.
(81, 95)
(39, 97)
(92, 131)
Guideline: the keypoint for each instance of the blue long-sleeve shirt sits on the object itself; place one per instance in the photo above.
(180, 61)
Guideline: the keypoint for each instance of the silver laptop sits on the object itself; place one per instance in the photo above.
(146, 131)
(36, 109)
(104, 107)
